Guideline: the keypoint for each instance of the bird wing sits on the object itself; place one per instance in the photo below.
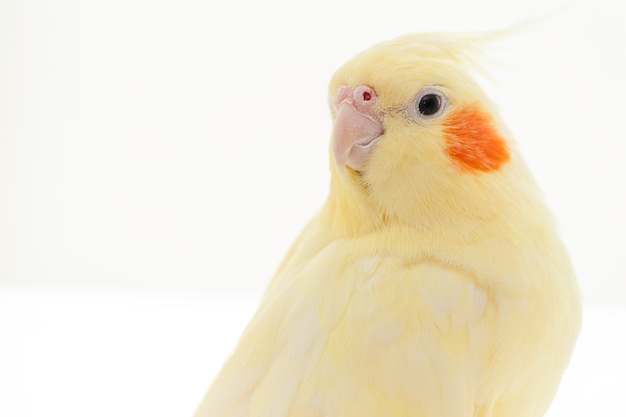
(354, 335)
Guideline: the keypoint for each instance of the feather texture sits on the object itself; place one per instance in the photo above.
(431, 284)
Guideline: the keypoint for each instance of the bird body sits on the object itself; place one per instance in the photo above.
(432, 283)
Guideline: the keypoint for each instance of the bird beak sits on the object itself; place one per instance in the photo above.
(357, 127)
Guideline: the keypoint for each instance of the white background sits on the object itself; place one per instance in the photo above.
(158, 158)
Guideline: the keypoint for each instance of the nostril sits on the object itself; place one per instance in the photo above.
(363, 95)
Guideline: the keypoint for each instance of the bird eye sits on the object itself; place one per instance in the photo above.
(430, 103)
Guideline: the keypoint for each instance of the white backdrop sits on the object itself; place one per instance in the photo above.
(157, 158)
(182, 145)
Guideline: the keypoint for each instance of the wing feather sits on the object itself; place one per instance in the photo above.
(359, 336)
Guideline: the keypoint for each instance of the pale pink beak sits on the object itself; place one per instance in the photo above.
(357, 126)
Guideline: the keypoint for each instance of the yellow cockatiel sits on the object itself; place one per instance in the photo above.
(432, 283)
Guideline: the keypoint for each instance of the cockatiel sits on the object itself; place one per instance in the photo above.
(432, 282)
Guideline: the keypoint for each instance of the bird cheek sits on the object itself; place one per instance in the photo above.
(473, 143)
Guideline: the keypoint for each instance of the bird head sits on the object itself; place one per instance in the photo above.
(416, 142)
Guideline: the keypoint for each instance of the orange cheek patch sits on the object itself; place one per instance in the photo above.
(473, 142)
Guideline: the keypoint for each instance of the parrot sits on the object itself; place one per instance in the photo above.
(433, 281)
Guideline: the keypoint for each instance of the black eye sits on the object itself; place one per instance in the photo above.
(429, 104)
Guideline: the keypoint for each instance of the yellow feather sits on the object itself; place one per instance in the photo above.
(420, 289)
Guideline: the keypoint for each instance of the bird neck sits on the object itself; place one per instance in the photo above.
(460, 214)
(347, 213)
